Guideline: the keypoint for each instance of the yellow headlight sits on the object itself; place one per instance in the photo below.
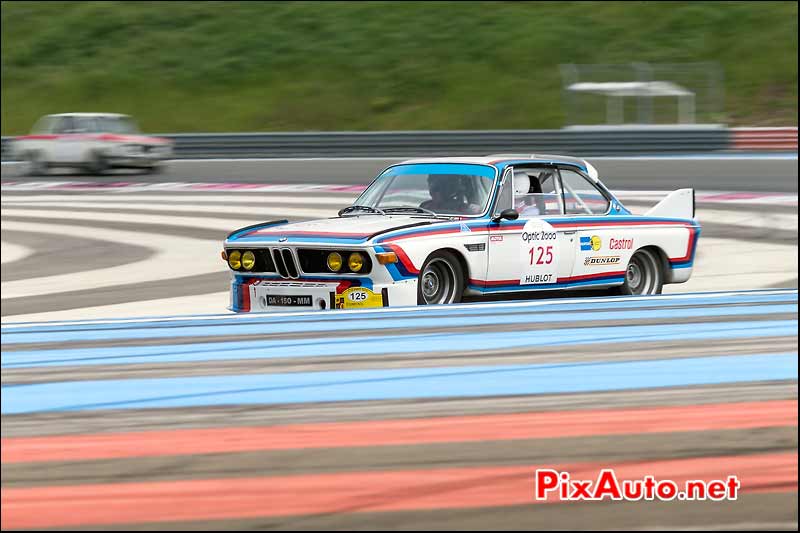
(355, 262)
(334, 262)
(248, 260)
(235, 259)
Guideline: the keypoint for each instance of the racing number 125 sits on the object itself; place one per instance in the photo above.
(544, 257)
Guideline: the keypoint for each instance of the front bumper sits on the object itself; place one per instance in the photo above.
(135, 161)
(258, 295)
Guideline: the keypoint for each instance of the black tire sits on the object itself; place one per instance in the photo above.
(98, 164)
(153, 170)
(644, 274)
(441, 280)
(36, 165)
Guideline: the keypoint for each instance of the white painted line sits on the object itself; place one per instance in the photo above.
(742, 219)
(11, 252)
(791, 156)
(176, 198)
(225, 225)
(285, 159)
(275, 211)
(200, 303)
(36, 185)
(777, 221)
(204, 188)
(174, 257)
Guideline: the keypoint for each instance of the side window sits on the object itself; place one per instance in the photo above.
(537, 193)
(581, 197)
(63, 125)
(89, 125)
(505, 197)
(82, 125)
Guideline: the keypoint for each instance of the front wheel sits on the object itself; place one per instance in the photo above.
(34, 164)
(644, 274)
(153, 169)
(441, 280)
(98, 164)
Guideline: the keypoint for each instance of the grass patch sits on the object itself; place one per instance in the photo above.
(274, 66)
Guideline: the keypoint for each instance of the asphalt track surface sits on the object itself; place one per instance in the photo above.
(723, 172)
(430, 418)
(401, 419)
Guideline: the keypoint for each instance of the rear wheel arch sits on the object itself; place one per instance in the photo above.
(666, 268)
(663, 261)
(646, 271)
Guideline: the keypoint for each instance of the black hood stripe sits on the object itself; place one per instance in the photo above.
(367, 237)
(254, 226)
(414, 225)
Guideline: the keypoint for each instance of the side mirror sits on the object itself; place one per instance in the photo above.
(508, 214)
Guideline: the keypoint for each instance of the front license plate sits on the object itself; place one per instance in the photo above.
(285, 300)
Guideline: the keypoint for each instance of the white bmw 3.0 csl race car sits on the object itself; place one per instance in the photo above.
(429, 231)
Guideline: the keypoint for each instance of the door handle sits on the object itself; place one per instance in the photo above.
(573, 232)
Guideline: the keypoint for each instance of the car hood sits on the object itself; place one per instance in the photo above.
(342, 230)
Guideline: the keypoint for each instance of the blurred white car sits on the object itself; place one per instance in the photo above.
(95, 142)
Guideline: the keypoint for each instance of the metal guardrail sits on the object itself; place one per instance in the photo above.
(584, 142)
(771, 139)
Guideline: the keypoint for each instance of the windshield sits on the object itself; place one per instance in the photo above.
(44, 125)
(438, 188)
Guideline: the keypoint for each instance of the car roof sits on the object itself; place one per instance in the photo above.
(502, 160)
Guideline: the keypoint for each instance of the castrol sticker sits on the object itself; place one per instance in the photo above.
(538, 253)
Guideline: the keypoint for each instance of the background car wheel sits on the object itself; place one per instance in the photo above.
(441, 280)
(35, 165)
(644, 274)
(154, 169)
(98, 163)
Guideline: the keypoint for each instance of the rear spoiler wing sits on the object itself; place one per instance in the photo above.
(677, 204)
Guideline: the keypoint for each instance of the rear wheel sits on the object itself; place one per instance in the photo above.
(644, 274)
(441, 280)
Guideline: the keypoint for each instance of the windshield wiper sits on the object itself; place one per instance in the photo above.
(410, 209)
(368, 209)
